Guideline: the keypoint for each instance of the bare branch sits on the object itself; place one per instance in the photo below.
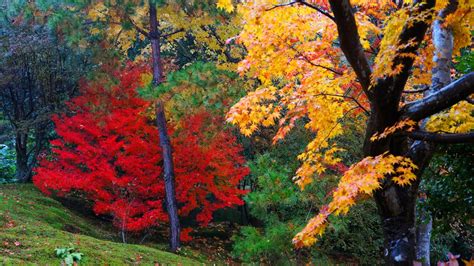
(417, 91)
(313, 64)
(446, 97)
(440, 138)
(137, 28)
(226, 51)
(281, 5)
(316, 8)
(350, 40)
(346, 97)
(305, 4)
(172, 33)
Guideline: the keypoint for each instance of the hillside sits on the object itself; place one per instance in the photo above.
(32, 226)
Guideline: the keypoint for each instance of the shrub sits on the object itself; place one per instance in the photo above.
(108, 149)
(283, 210)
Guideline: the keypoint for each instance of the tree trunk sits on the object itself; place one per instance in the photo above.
(23, 173)
(168, 171)
(423, 236)
(441, 76)
(171, 204)
(397, 210)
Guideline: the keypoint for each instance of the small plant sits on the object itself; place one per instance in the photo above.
(69, 256)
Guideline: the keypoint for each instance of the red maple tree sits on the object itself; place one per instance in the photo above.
(109, 151)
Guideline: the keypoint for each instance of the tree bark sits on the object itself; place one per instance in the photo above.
(441, 77)
(396, 204)
(23, 173)
(396, 207)
(168, 170)
(423, 237)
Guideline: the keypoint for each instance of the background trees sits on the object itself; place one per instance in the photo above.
(38, 73)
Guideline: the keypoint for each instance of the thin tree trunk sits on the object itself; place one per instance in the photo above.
(423, 237)
(168, 171)
(22, 171)
(441, 76)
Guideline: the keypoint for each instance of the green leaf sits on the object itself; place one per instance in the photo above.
(77, 256)
(69, 260)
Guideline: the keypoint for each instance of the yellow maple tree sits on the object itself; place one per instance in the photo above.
(323, 60)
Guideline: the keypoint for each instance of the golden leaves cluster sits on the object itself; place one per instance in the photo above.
(362, 178)
(459, 22)
(302, 74)
(293, 52)
(226, 5)
(407, 125)
(457, 119)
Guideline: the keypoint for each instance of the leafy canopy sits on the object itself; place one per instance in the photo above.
(108, 151)
(294, 52)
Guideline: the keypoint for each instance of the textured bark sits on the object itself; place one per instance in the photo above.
(350, 40)
(441, 76)
(168, 169)
(440, 138)
(441, 99)
(396, 204)
(423, 238)
(23, 173)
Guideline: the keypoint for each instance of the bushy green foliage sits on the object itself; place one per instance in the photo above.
(465, 62)
(448, 183)
(68, 255)
(200, 85)
(7, 164)
(283, 209)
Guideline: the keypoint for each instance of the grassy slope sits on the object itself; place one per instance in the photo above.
(32, 226)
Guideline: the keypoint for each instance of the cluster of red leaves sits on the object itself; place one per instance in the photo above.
(109, 150)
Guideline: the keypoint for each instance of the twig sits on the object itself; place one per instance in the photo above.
(305, 4)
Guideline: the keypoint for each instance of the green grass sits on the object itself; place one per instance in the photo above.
(32, 226)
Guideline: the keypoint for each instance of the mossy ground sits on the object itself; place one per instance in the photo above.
(32, 226)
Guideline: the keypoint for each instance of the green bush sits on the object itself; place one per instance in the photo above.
(282, 210)
(7, 164)
(448, 183)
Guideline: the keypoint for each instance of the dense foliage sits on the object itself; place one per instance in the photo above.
(281, 210)
(110, 142)
(182, 109)
(321, 61)
(449, 192)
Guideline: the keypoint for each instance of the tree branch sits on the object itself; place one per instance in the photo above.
(446, 97)
(440, 138)
(388, 90)
(417, 91)
(313, 64)
(226, 50)
(346, 97)
(140, 30)
(305, 4)
(316, 8)
(350, 40)
(172, 33)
